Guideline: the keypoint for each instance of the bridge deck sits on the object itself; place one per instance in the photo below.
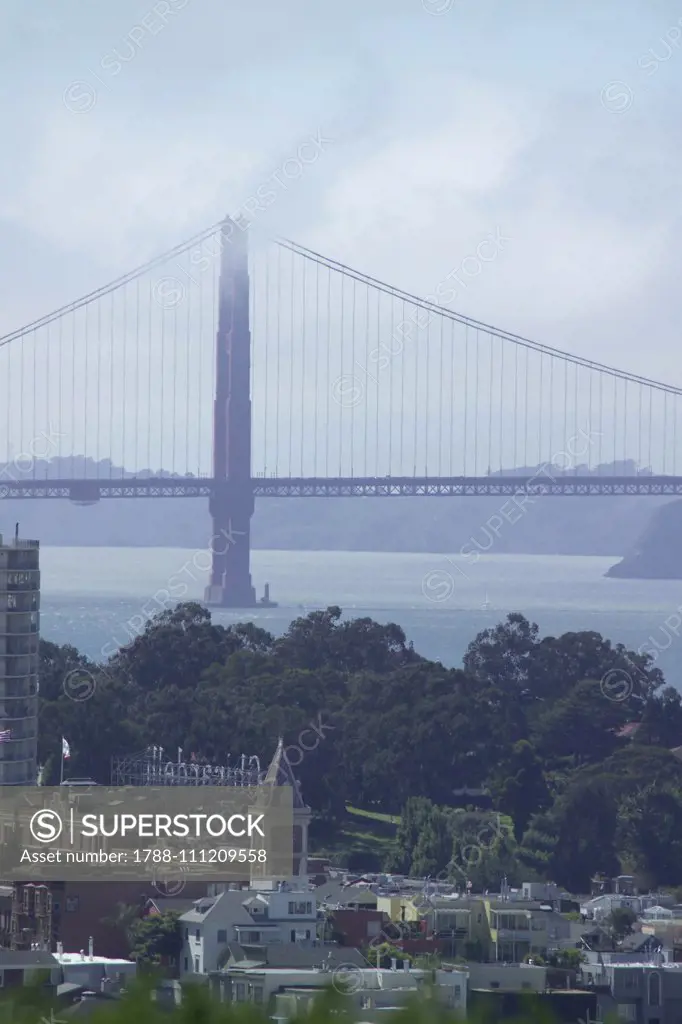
(542, 483)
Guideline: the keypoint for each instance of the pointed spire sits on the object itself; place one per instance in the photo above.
(280, 773)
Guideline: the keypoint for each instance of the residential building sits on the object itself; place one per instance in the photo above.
(21, 967)
(483, 928)
(622, 885)
(600, 907)
(288, 992)
(356, 928)
(336, 895)
(70, 912)
(19, 639)
(666, 928)
(248, 917)
(634, 949)
(645, 993)
(6, 916)
(507, 977)
(258, 977)
(106, 975)
(519, 929)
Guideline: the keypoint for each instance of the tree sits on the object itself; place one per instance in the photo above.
(620, 922)
(156, 939)
(434, 845)
(650, 833)
(502, 655)
(661, 724)
(124, 919)
(585, 818)
(520, 789)
(567, 959)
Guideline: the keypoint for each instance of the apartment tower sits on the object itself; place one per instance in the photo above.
(19, 638)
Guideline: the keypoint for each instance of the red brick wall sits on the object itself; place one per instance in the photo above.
(93, 903)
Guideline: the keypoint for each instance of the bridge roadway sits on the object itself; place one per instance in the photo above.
(543, 482)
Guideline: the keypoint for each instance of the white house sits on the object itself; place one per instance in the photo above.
(600, 907)
(247, 917)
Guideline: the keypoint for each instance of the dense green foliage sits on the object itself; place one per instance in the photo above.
(370, 723)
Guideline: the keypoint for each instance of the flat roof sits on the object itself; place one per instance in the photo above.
(70, 959)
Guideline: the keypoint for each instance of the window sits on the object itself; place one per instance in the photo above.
(197, 935)
(458, 991)
(71, 904)
(257, 994)
(186, 964)
(307, 933)
(187, 933)
(196, 965)
(222, 935)
(239, 992)
(654, 990)
(300, 908)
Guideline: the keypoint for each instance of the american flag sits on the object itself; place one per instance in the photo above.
(5, 734)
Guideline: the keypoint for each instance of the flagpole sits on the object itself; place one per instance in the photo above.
(61, 777)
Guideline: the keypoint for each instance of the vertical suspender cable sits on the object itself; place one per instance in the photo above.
(303, 344)
(352, 411)
(291, 366)
(188, 368)
(466, 394)
(279, 355)
(477, 395)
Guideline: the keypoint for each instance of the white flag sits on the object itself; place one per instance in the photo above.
(66, 749)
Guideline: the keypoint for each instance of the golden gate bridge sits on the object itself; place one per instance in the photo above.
(233, 368)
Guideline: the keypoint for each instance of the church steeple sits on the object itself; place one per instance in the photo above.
(280, 773)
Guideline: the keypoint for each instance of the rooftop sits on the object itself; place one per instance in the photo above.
(16, 542)
(70, 959)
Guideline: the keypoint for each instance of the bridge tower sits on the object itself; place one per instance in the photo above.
(232, 503)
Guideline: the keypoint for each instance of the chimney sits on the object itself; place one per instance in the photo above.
(91, 947)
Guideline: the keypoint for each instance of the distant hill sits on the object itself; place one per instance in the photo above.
(545, 525)
(657, 553)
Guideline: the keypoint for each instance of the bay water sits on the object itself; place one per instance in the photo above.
(98, 598)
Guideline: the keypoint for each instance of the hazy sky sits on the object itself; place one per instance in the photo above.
(127, 128)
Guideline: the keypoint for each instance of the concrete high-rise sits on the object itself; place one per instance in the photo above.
(19, 639)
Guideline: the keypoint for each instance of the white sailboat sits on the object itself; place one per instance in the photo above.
(486, 603)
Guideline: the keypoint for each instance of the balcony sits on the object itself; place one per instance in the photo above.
(12, 667)
(18, 623)
(11, 582)
(15, 645)
(513, 935)
(18, 688)
(21, 706)
(21, 729)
